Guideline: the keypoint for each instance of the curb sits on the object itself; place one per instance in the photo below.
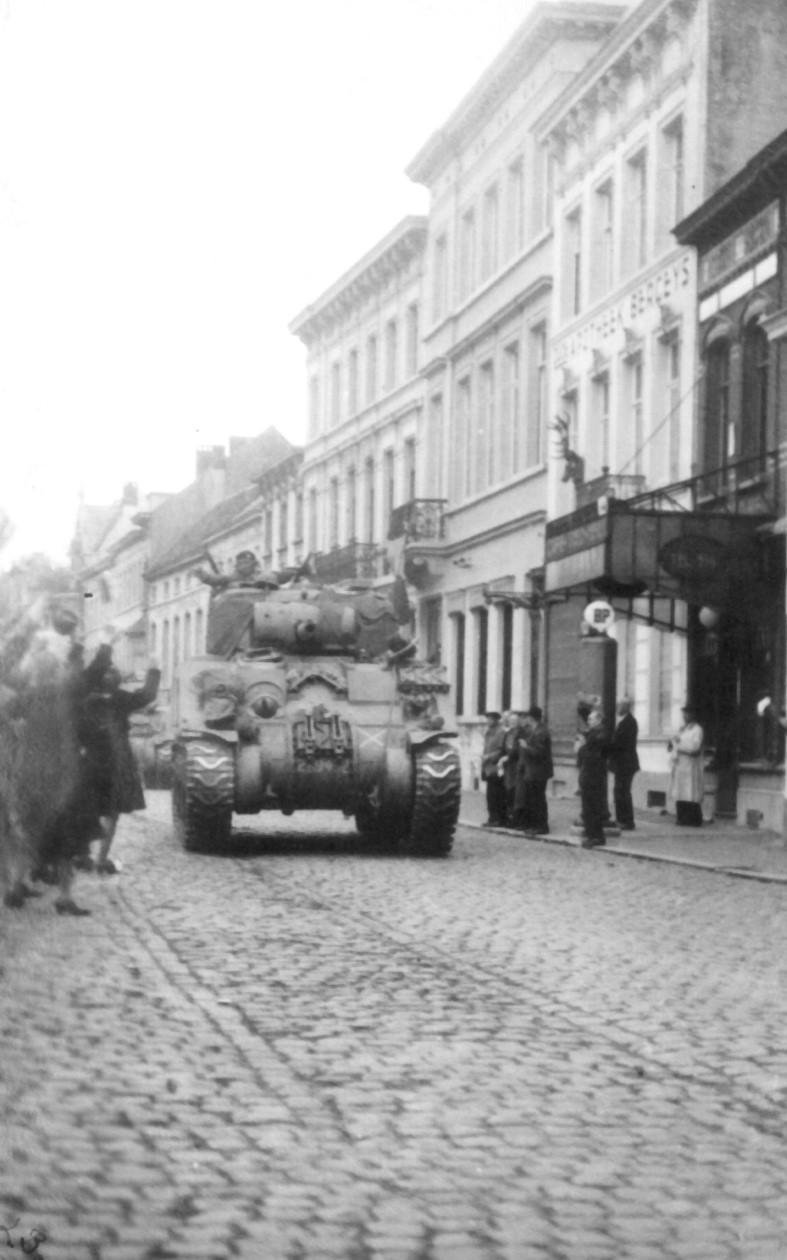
(733, 872)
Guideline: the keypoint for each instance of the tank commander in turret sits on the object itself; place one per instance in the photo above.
(247, 573)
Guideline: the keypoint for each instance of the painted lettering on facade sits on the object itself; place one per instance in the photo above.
(652, 293)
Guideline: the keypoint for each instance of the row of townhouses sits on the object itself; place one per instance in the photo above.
(562, 387)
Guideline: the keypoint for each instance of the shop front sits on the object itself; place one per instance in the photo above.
(698, 560)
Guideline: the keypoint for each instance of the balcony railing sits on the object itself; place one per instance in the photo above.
(748, 486)
(355, 560)
(420, 520)
(614, 485)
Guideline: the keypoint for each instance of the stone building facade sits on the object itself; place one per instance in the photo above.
(641, 138)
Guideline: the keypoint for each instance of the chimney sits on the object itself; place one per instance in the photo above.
(209, 457)
(130, 494)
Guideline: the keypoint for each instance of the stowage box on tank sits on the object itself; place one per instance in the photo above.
(311, 698)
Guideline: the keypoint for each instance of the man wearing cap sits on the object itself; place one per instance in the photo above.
(494, 745)
(687, 777)
(623, 761)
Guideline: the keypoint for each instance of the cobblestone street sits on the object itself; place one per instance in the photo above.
(302, 1049)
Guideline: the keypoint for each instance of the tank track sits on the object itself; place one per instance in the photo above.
(436, 800)
(203, 791)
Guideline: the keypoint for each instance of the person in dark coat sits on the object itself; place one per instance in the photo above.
(591, 749)
(494, 739)
(113, 781)
(623, 761)
(535, 771)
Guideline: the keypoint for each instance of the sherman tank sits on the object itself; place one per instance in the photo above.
(311, 698)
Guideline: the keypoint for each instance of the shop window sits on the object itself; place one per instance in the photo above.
(482, 650)
(458, 620)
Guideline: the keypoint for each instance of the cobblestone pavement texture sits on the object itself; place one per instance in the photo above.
(300, 1049)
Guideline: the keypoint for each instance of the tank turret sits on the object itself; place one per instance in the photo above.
(312, 697)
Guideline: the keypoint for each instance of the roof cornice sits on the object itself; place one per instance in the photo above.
(388, 258)
(543, 25)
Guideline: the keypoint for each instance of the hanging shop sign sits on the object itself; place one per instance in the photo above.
(599, 615)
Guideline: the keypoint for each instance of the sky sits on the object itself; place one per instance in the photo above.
(178, 180)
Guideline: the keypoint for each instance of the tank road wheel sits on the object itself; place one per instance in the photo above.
(203, 790)
(436, 800)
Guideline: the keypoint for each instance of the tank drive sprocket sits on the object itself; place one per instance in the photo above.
(203, 789)
(436, 801)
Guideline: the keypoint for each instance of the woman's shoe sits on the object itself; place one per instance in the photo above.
(107, 867)
(67, 906)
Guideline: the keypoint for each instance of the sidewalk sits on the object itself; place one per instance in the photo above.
(721, 846)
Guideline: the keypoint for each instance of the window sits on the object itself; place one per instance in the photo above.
(515, 208)
(391, 352)
(484, 443)
(369, 498)
(482, 646)
(573, 279)
(673, 182)
(458, 620)
(187, 636)
(388, 487)
(489, 244)
(432, 625)
(599, 438)
(754, 412)
(371, 369)
(467, 248)
(462, 466)
(636, 412)
(536, 433)
(166, 666)
(299, 517)
(440, 277)
(333, 512)
(409, 470)
(313, 535)
(603, 251)
(412, 339)
(199, 633)
(314, 405)
(153, 638)
(434, 447)
(636, 234)
(352, 522)
(506, 654)
(336, 393)
(175, 641)
(267, 535)
(673, 402)
(717, 431)
(541, 199)
(284, 524)
(510, 409)
(352, 382)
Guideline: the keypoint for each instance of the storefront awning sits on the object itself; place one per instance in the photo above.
(702, 558)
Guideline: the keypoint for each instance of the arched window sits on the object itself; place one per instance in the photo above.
(754, 408)
(718, 439)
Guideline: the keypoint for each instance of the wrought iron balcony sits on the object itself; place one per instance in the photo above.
(745, 487)
(614, 486)
(420, 520)
(355, 560)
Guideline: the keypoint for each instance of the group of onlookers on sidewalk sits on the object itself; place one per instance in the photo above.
(67, 769)
(517, 765)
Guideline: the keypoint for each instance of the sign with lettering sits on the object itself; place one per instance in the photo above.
(616, 318)
(693, 558)
(754, 238)
(599, 616)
